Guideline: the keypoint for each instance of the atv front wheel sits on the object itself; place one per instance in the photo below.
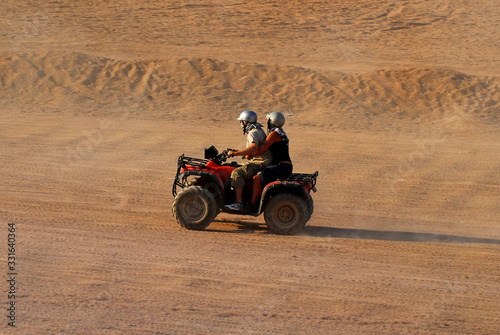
(286, 214)
(194, 208)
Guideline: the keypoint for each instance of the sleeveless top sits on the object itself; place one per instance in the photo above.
(279, 149)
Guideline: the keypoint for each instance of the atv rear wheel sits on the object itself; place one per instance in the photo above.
(310, 207)
(286, 214)
(194, 208)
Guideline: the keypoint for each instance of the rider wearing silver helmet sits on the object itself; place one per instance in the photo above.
(256, 162)
(248, 121)
(277, 142)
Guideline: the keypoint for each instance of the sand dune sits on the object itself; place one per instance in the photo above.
(189, 86)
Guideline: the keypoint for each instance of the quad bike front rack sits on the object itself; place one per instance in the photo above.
(181, 163)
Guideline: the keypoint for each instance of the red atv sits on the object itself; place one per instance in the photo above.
(206, 188)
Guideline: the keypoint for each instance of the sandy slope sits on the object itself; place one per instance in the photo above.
(211, 90)
(396, 104)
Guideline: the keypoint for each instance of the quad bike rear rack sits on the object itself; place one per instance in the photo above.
(304, 177)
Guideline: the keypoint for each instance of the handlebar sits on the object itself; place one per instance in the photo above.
(223, 156)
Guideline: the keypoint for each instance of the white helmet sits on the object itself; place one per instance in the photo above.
(275, 120)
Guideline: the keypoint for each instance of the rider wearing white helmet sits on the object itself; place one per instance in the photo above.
(256, 162)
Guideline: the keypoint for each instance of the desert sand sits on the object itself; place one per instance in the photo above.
(395, 103)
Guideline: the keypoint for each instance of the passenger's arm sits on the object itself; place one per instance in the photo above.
(271, 138)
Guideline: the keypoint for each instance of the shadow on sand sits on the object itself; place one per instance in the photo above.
(401, 236)
(242, 226)
(245, 227)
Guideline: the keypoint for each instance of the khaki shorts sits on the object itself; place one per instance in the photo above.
(244, 172)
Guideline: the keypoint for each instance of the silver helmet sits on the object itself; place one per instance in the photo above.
(249, 119)
(248, 116)
(275, 120)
